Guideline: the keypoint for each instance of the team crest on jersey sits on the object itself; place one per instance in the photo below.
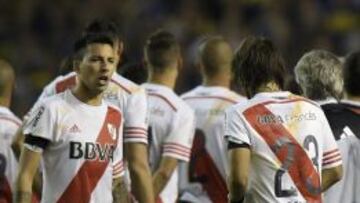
(112, 131)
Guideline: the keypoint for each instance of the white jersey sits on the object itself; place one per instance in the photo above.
(171, 132)
(290, 142)
(345, 126)
(84, 153)
(207, 178)
(9, 124)
(124, 94)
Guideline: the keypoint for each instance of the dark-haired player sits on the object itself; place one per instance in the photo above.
(131, 100)
(352, 82)
(171, 120)
(280, 145)
(76, 134)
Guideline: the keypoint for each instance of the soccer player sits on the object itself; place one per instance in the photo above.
(352, 83)
(171, 120)
(9, 123)
(206, 179)
(320, 75)
(81, 157)
(131, 100)
(280, 145)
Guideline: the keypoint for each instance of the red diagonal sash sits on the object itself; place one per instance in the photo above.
(5, 191)
(86, 179)
(203, 169)
(301, 169)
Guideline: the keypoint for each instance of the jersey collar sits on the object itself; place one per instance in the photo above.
(329, 100)
(153, 86)
(274, 95)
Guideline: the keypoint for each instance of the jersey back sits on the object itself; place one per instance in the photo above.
(290, 142)
(208, 164)
(9, 124)
(344, 124)
(171, 132)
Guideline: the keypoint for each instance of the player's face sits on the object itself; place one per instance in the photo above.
(97, 67)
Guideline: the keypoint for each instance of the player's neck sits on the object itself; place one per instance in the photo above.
(87, 96)
(221, 80)
(4, 101)
(269, 87)
(5, 97)
(167, 79)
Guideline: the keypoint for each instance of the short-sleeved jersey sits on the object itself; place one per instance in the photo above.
(84, 153)
(345, 125)
(124, 94)
(290, 142)
(209, 152)
(355, 107)
(171, 132)
(8, 172)
(9, 124)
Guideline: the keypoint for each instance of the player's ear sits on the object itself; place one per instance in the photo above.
(180, 62)
(120, 50)
(76, 65)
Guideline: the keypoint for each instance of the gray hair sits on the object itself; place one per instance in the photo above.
(319, 73)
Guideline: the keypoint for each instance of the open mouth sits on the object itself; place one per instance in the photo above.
(104, 79)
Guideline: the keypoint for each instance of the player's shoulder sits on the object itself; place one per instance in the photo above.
(126, 85)
(61, 83)
(219, 93)
(7, 115)
(168, 95)
(55, 101)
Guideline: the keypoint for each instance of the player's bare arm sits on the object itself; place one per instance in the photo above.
(330, 176)
(163, 174)
(119, 191)
(18, 142)
(28, 165)
(141, 185)
(16, 146)
(239, 173)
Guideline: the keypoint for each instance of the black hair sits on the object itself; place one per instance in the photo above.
(85, 40)
(161, 50)
(136, 72)
(257, 62)
(99, 25)
(352, 73)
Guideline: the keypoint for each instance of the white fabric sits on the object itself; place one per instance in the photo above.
(209, 104)
(124, 94)
(302, 118)
(172, 130)
(72, 127)
(9, 124)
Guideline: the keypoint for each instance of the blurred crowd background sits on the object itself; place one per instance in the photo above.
(35, 35)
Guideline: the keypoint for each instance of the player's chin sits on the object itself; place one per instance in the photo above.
(101, 87)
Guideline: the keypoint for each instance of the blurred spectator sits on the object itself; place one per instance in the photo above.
(42, 32)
